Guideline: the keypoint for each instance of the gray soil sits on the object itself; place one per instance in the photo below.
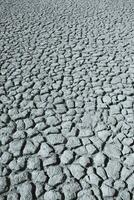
(66, 100)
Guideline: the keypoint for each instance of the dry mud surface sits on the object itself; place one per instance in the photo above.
(67, 100)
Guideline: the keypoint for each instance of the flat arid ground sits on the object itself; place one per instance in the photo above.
(66, 100)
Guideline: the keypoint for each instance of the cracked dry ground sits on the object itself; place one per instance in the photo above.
(67, 100)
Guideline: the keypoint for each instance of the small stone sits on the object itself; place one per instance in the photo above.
(73, 142)
(107, 191)
(37, 140)
(28, 123)
(127, 141)
(81, 150)
(127, 104)
(59, 148)
(54, 170)
(129, 160)
(54, 139)
(100, 127)
(4, 117)
(107, 99)
(103, 135)
(15, 147)
(85, 133)
(112, 151)
(94, 179)
(39, 176)
(113, 169)
(33, 163)
(101, 172)
(6, 157)
(112, 120)
(45, 150)
(84, 161)
(130, 182)
(3, 185)
(119, 185)
(70, 103)
(50, 160)
(20, 124)
(29, 148)
(115, 109)
(70, 189)
(124, 195)
(67, 125)
(13, 196)
(91, 149)
(126, 150)
(52, 195)
(125, 173)
(56, 175)
(19, 134)
(99, 159)
(85, 194)
(61, 109)
(39, 191)
(56, 180)
(25, 191)
(18, 178)
(67, 157)
(121, 97)
(52, 121)
(77, 171)
(41, 126)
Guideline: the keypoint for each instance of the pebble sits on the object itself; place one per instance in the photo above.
(91, 149)
(61, 109)
(94, 179)
(129, 160)
(6, 157)
(70, 189)
(33, 163)
(99, 159)
(70, 103)
(41, 126)
(50, 160)
(107, 99)
(25, 190)
(107, 191)
(125, 173)
(124, 195)
(101, 172)
(59, 148)
(52, 121)
(13, 196)
(67, 157)
(39, 176)
(54, 139)
(130, 182)
(77, 171)
(45, 150)
(56, 175)
(52, 195)
(19, 177)
(29, 148)
(84, 161)
(113, 169)
(103, 135)
(3, 185)
(73, 142)
(16, 146)
(85, 133)
(112, 151)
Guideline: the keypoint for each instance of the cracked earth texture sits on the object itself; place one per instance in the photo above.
(67, 100)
